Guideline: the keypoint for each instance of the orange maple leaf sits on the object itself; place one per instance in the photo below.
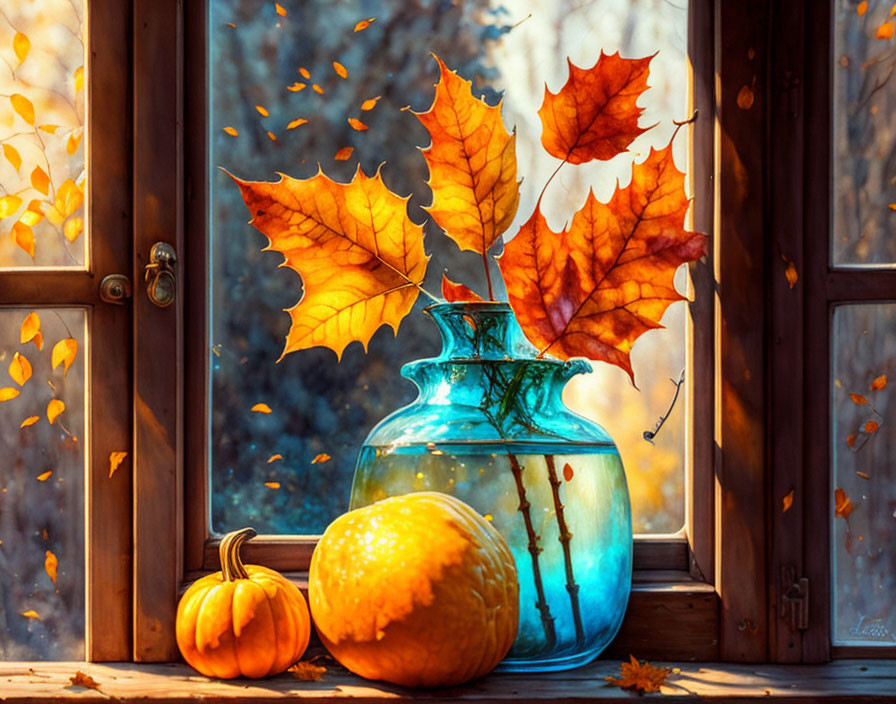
(592, 290)
(472, 165)
(360, 257)
(595, 115)
(453, 292)
(642, 677)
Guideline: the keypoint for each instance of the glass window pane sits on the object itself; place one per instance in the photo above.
(42, 170)
(42, 438)
(864, 148)
(863, 504)
(257, 59)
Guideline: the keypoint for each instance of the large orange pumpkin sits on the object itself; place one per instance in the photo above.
(245, 620)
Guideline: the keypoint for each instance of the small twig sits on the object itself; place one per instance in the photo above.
(649, 435)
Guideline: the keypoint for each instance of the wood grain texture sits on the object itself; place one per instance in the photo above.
(158, 340)
(740, 557)
(844, 681)
(785, 363)
(108, 500)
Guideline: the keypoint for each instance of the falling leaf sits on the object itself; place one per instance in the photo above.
(296, 123)
(50, 565)
(791, 274)
(317, 89)
(71, 146)
(349, 242)
(340, 70)
(472, 165)
(46, 475)
(115, 460)
(54, 408)
(31, 613)
(787, 501)
(230, 130)
(274, 458)
(858, 399)
(21, 45)
(592, 290)
(879, 383)
(262, 111)
(296, 87)
(272, 136)
(23, 107)
(343, 154)
(30, 420)
(862, 8)
(78, 75)
(280, 9)
(20, 369)
(40, 180)
(307, 671)
(73, 228)
(11, 154)
(642, 677)
(65, 351)
(842, 505)
(745, 98)
(595, 115)
(272, 485)
(363, 24)
(322, 457)
(8, 393)
(863, 475)
(9, 205)
(567, 471)
(454, 292)
(261, 408)
(306, 74)
(886, 30)
(369, 104)
(871, 426)
(82, 680)
(357, 124)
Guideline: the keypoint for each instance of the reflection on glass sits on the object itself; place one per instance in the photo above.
(864, 146)
(42, 484)
(42, 174)
(264, 67)
(863, 501)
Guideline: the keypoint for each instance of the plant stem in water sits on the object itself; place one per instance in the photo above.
(565, 537)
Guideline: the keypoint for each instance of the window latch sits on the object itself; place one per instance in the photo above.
(161, 280)
(794, 598)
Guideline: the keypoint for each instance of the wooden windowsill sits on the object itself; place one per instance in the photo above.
(855, 680)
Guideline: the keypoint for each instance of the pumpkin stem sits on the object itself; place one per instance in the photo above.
(229, 552)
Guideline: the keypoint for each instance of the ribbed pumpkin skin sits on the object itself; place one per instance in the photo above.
(253, 627)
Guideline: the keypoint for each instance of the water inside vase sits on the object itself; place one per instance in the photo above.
(577, 490)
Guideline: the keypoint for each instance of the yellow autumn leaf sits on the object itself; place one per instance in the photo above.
(23, 236)
(231, 131)
(29, 328)
(54, 408)
(46, 475)
(33, 213)
(862, 8)
(343, 154)
(274, 458)
(49, 129)
(71, 146)
(280, 9)
(262, 111)
(261, 408)
(21, 45)
(30, 420)
(9, 205)
(787, 501)
(30, 613)
(306, 74)
(369, 104)
(272, 136)
(23, 107)
(296, 123)
(295, 87)
(8, 393)
(363, 24)
(357, 124)
(20, 369)
(115, 460)
(38, 341)
(11, 154)
(51, 563)
(322, 457)
(886, 30)
(64, 352)
(340, 70)
(68, 198)
(73, 228)
(40, 180)
(272, 485)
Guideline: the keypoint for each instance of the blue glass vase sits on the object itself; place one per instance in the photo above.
(490, 428)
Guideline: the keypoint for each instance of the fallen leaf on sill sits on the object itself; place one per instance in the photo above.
(641, 677)
(304, 670)
(81, 680)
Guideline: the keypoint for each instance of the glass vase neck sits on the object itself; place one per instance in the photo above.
(480, 330)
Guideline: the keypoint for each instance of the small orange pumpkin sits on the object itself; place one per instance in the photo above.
(245, 621)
